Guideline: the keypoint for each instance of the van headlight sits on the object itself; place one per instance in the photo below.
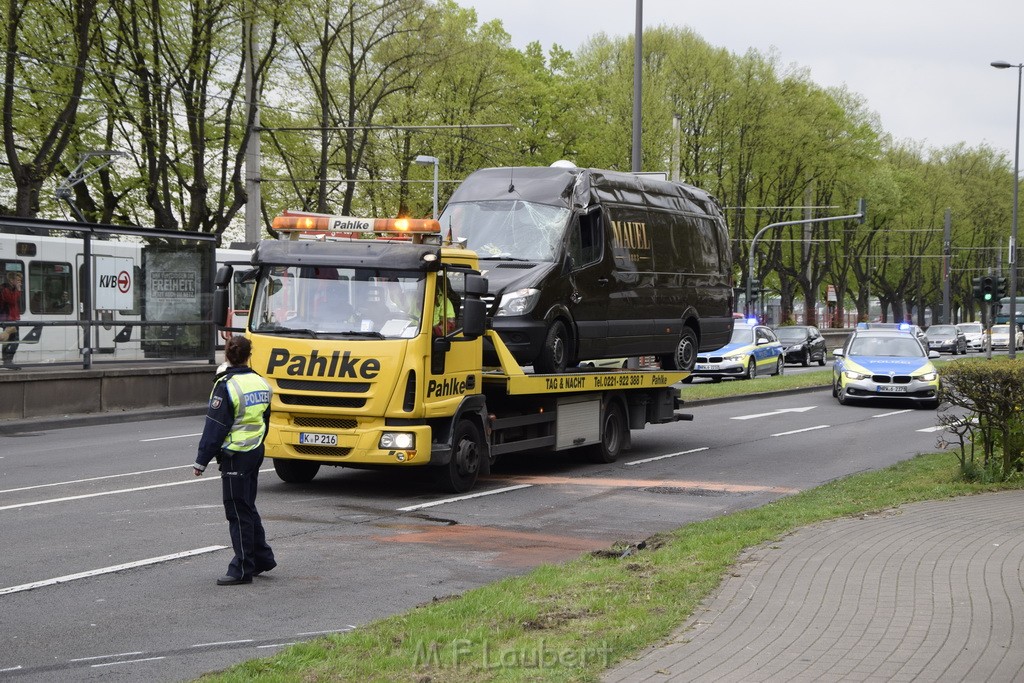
(397, 440)
(519, 302)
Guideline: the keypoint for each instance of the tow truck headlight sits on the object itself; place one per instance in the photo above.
(397, 441)
(928, 377)
(519, 302)
(852, 374)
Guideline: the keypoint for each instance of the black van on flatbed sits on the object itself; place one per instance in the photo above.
(591, 264)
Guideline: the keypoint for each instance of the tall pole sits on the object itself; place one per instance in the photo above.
(1012, 347)
(947, 252)
(638, 71)
(253, 201)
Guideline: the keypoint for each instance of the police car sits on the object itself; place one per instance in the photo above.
(753, 349)
(885, 364)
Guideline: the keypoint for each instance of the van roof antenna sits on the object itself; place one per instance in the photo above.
(511, 179)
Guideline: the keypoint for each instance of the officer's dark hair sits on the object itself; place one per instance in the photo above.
(237, 350)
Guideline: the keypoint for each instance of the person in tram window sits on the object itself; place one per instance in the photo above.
(10, 311)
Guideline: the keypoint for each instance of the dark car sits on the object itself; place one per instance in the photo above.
(946, 339)
(803, 344)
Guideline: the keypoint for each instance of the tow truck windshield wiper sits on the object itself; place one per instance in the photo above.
(357, 333)
(278, 329)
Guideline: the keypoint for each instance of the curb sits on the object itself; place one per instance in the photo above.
(48, 422)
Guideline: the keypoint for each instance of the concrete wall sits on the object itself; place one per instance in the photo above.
(41, 393)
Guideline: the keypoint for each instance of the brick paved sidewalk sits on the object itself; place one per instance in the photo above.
(932, 592)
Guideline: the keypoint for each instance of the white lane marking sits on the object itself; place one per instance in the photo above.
(805, 429)
(937, 428)
(92, 659)
(662, 457)
(110, 570)
(10, 668)
(164, 438)
(127, 661)
(224, 642)
(411, 508)
(347, 628)
(895, 412)
(47, 501)
(774, 412)
(82, 481)
(261, 647)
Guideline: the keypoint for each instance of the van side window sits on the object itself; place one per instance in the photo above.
(585, 240)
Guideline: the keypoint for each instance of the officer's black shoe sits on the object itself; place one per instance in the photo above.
(233, 580)
(261, 570)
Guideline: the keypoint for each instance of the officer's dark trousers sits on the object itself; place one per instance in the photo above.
(238, 474)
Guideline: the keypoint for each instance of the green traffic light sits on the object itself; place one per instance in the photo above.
(988, 297)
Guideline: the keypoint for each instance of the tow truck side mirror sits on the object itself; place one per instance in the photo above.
(476, 285)
(474, 318)
(221, 283)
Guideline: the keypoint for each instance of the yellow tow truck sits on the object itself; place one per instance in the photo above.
(371, 333)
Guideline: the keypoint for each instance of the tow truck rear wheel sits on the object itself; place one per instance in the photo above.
(460, 474)
(613, 435)
(296, 471)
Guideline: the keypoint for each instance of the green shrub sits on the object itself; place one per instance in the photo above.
(990, 399)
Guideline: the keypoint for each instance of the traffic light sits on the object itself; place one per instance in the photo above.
(976, 287)
(988, 288)
(1001, 287)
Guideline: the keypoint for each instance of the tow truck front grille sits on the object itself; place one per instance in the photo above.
(326, 422)
(322, 450)
(334, 387)
(322, 401)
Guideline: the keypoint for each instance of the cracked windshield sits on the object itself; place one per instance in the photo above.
(507, 229)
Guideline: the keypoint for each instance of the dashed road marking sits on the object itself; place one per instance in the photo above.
(800, 431)
(109, 570)
(663, 457)
(443, 501)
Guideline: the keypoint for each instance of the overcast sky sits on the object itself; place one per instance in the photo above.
(922, 66)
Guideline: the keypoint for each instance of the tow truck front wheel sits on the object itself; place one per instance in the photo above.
(296, 471)
(460, 474)
(613, 435)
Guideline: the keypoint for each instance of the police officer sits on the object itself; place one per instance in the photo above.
(236, 425)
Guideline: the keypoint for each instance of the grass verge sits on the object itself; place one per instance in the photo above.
(569, 622)
(700, 390)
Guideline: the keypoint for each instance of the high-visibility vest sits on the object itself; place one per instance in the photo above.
(250, 395)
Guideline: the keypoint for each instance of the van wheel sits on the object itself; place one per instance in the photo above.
(554, 355)
(613, 435)
(296, 471)
(685, 355)
(459, 475)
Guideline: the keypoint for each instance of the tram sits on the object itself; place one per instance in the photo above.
(142, 297)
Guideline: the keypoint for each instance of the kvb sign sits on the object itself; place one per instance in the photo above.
(114, 283)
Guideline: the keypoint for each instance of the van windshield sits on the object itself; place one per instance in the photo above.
(507, 229)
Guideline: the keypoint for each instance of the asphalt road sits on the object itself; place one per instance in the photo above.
(79, 506)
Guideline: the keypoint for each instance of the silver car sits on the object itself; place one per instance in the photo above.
(975, 335)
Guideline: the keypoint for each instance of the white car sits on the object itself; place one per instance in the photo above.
(1001, 337)
(975, 334)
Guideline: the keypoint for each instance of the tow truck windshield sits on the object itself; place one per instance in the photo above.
(325, 302)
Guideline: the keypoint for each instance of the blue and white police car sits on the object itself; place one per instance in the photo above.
(753, 349)
(885, 364)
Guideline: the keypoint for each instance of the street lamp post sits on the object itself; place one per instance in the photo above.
(1013, 227)
(423, 160)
